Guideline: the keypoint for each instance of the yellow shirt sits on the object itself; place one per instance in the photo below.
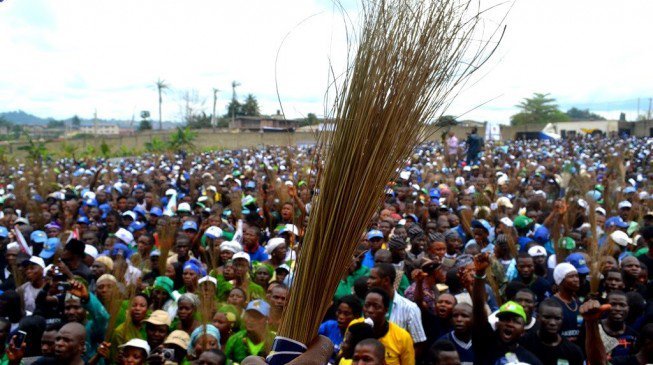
(398, 344)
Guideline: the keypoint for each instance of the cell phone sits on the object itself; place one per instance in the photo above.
(20, 338)
(65, 286)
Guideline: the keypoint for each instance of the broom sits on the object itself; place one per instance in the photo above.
(409, 59)
(166, 234)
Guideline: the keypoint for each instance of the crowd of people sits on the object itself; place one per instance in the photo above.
(483, 252)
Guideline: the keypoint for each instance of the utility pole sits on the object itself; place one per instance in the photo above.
(648, 115)
(214, 120)
(637, 109)
(233, 101)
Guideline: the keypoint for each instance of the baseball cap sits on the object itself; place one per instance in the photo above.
(615, 221)
(33, 260)
(136, 226)
(171, 192)
(50, 246)
(504, 202)
(4, 233)
(241, 255)
(130, 214)
(213, 232)
(481, 224)
(259, 306)
(159, 318)
(209, 279)
(156, 211)
(283, 267)
(512, 308)
(179, 338)
(21, 220)
(522, 221)
(124, 235)
(189, 225)
(183, 207)
(625, 204)
(38, 237)
(621, 238)
(139, 344)
(578, 260)
(375, 233)
(289, 228)
(83, 220)
(507, 222)
(91, 251)
(536, 251)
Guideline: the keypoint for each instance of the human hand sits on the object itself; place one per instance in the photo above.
(79, 290)
(592, 309)
(103, 349)
(481, 263)
(15, 354)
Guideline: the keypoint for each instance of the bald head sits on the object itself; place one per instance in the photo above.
(383, 256)
(70, 343)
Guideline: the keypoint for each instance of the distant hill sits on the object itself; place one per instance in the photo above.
(22, 118)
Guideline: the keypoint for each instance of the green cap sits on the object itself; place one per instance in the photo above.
(567, 243)
(228, 235)
(513, 308)
(164, 283)
(522, 221)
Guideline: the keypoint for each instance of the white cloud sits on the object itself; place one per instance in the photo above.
(71, 57)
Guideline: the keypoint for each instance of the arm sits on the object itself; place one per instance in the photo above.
(481, 263)
(594, 348)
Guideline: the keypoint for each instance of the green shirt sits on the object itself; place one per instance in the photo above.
(237, 347)
(345, 287)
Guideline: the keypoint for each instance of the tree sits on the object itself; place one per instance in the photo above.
(182, 139)
(447, 121)
(197, 121)
(580, 114)
(155, 145)
(36, 150)
(76, 122)
(69, 150)
(540, 109)
(161, 87)
(52, 123)
(145, 124)
(105, 149)
(234, 108)
(250, 106)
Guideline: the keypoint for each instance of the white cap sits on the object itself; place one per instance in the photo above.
(460, 181)
(209, 279)
(171, 192)
(241, 255)
(561, 271)
(91, 251)
(124, 235)
(536, 251)
(36, 260)
(601, 211)
(506, 221)
(625, 204)
(621, 238)
(139, 344)
(129, 213)
(273, 243)
(213, 232)
(183, 207)
(231, 246)
(504, 202)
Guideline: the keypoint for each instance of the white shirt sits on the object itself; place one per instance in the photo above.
(407, 315)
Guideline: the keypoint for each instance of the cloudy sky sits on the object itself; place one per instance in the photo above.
(61, 58)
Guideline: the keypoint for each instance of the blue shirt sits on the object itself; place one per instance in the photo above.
(464, 350)
(259, 255)
(368, 259)
(523, 241)
(330, 329)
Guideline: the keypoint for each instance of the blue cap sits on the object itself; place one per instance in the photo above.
(189, 225)
(578, 261)
(260, 306)
(541, 235)
(90, 203)
(83, 220)
(156, 211)
(50, 247)
(121, 248)
(375, 233)
(250, 184)
(630, 190)
(4, 233)
(434, 193)
(105, 208)
(139, 210)
(615, 221)
(482, 224)
(413, 217)
(38, 237)
(135, 226)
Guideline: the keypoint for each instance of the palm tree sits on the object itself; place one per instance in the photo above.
(182, 139)
(161, 87)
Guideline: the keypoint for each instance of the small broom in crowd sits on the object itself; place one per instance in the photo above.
(167, 235)
(411, 56)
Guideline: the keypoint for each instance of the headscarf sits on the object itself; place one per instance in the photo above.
(190, 297)
(195, 266)
(205, 329)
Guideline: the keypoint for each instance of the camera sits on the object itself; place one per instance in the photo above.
(65, 286)
(168, 354)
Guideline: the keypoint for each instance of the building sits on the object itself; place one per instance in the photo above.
(100, 129)
(571, 129)
(274, 123)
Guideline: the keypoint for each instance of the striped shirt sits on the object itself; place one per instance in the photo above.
(407, 315)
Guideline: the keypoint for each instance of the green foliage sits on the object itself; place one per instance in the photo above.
(197, 121)
(76, 122)
(36, 150)
(311, 119)
(155, 145)
(144, 125)
(69, 150)
(83, 136)
(105, 149)
(447, 121)
(90, 151)
(539, 109)
(52, 123)
(223, 122)
(182, 139)
(234, 108)
(582, 114)
(250, 107)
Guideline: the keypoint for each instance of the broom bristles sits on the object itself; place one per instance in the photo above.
(409, 60)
